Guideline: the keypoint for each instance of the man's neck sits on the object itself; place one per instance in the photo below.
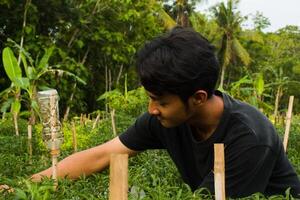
(207, 118)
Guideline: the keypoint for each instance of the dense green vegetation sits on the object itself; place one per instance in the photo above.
(86, 50)
(97, 40)
(145, 170)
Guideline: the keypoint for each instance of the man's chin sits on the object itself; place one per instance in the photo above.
(167, 125)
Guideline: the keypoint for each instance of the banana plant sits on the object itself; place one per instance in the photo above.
(34, 72)
(166, 19)
(280, 84)
(252, 88)
(13, 72)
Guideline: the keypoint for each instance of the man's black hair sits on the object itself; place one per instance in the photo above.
(179, 62)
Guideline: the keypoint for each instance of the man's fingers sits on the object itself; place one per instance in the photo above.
(6, 188)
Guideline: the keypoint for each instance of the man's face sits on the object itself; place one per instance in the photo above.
(169, 109)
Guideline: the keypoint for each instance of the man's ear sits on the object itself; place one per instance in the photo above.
(199, 97)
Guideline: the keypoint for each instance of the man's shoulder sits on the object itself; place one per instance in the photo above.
(246, 121)
(244, 112)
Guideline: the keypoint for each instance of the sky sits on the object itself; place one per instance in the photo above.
(279, 13)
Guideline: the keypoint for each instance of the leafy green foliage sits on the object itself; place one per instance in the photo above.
(260, 21)
(33, 191)
(152, 174)
(132, 102)
(89, 37)
(7, 126)
(230, 48)
(10, 64)
(98, 40)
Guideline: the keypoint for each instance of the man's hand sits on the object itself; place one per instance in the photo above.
(36, 177)
(6, 188)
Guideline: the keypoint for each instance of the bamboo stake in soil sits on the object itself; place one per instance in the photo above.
(113, 123)
(29, 140)
(54, 150)
(288, 123)
(219, 172)
(118, 183)
(15, 117)
(96, 121)
(74, 137)
(30, 150)
(54, 154)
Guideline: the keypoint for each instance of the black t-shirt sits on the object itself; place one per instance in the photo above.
(254, 157)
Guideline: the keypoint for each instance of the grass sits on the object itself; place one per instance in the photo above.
(152, 175)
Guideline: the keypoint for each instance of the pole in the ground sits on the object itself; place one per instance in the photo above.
(288, 123)
(219, 172)
(118, 183)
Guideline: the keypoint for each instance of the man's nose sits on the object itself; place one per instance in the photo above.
(152, 108)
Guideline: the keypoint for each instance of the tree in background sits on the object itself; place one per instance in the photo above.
(229, 22)
(94, 39)
(260, 21)
(97, 41)
(283, 59)
(181, 10)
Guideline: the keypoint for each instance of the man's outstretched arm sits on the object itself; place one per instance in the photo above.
(86, 162)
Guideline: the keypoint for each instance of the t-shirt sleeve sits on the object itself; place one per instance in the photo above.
(143, 134)
(246, 172)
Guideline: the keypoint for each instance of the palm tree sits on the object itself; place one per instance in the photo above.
(229, 22)
(182, 18)
(181, 10)
(166, 19)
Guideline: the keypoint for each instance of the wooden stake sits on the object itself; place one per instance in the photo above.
(30, 150)
(29, 130)
(15, 117)
(113, 123)
(54, 155)
(96, 121)
(219, 172)
(54, 151)
(288, 123)
(118, 183)
(74, 137)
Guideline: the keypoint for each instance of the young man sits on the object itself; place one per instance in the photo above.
(187, 116)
